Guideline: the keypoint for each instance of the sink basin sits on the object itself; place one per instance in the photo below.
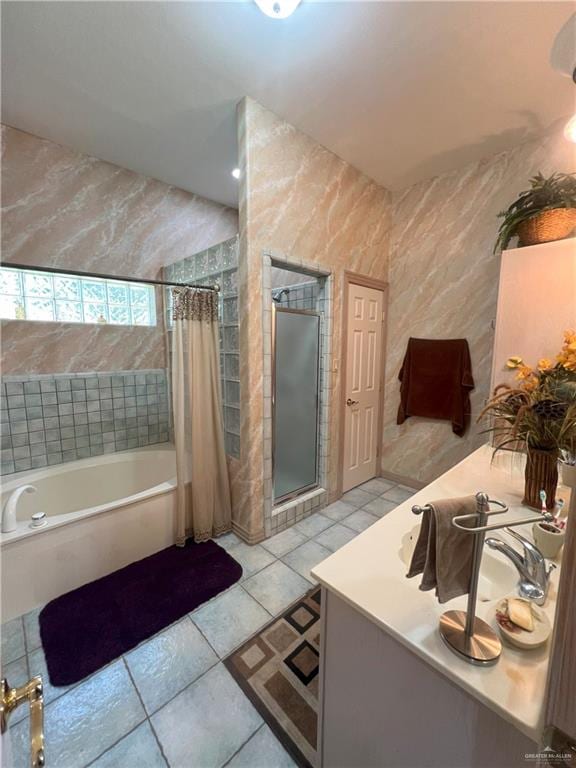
(498, 577)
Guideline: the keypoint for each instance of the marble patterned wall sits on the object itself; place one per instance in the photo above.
(300, 203)
(61, 208)
(444, 284)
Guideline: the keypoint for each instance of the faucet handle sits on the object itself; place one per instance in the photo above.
(531, 552)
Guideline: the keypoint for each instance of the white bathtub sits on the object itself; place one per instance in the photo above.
(102, 513)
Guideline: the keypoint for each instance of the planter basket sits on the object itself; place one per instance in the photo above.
(555, 224)
(541, 474)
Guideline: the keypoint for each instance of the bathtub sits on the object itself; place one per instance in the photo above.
(102, 514)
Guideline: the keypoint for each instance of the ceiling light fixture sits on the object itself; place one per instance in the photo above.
(278, 9)
(236, 173)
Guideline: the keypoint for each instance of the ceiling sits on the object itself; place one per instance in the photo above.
(402, 90)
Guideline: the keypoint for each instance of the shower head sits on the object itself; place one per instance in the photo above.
(277, 295)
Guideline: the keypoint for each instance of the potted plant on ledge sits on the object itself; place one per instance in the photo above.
(538, 415)
(545, 212)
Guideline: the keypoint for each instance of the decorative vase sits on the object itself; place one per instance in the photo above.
(541, 474)
(554, 224)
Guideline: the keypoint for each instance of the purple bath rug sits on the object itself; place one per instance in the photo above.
(87, 628)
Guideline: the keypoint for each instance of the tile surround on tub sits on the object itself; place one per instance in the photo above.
(49, 419)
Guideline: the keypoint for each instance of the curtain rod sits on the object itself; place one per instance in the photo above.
(76, 273)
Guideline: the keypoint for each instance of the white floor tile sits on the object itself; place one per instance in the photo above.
(380, 506)
(228, 540)
(338, 511)
(283, 542)
(137, 750)
(13, 646)
(262, 751)
(357, 497)
(335, 537)
(168, 662)
(377, 485)
(399, 493)
(252, 558)
(305, 557)
(313, 525)
(276, 587)
(207, 723)
(230, 619)
(359, 520)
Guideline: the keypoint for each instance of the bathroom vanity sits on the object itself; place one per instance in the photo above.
(392, 693)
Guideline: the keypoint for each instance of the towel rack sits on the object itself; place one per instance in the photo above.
(463, 632)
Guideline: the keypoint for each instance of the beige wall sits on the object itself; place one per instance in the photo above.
(444, 284)
(303, 202)
(61, 208)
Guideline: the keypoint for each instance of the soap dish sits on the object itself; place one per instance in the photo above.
(520, 637)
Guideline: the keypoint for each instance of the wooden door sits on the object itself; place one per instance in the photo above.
(362, 384)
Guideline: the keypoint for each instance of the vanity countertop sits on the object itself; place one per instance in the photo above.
(369, 574)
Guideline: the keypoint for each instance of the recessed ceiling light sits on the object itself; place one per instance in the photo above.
(278, 9)
(236, 173)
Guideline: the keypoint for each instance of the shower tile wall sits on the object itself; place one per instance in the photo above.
(219, 264)
(299, 296)
(51, 419)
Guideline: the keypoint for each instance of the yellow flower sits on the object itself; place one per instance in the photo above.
(514, 362)
(544, 364)
(568, 361)
(524, 372)
(567, 356)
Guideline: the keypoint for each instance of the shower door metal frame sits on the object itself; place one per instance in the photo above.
(298, 491)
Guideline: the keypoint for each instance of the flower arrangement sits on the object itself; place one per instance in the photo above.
(538, 414)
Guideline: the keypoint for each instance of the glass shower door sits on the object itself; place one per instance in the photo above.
(295, 401)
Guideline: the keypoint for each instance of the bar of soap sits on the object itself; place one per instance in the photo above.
(520, 613)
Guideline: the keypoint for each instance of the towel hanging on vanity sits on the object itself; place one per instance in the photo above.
(443, 554)
(435, 382)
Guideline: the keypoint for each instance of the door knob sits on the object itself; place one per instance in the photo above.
(352, 402)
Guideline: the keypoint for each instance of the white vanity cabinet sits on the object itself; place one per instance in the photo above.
(391, 693)
(384, 707)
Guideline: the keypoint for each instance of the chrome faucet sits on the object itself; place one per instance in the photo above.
(534, 576)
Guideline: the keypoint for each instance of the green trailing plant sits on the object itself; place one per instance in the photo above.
(556, 191)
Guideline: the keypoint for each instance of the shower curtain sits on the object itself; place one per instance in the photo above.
(203, 490)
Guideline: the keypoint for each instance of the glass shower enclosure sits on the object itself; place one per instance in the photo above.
(295, 394)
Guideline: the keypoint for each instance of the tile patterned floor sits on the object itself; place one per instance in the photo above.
(170, 703)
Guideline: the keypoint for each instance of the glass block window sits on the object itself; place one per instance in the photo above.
(29, 295)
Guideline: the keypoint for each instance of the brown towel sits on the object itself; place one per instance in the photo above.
(443, 554)
(436, 379)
